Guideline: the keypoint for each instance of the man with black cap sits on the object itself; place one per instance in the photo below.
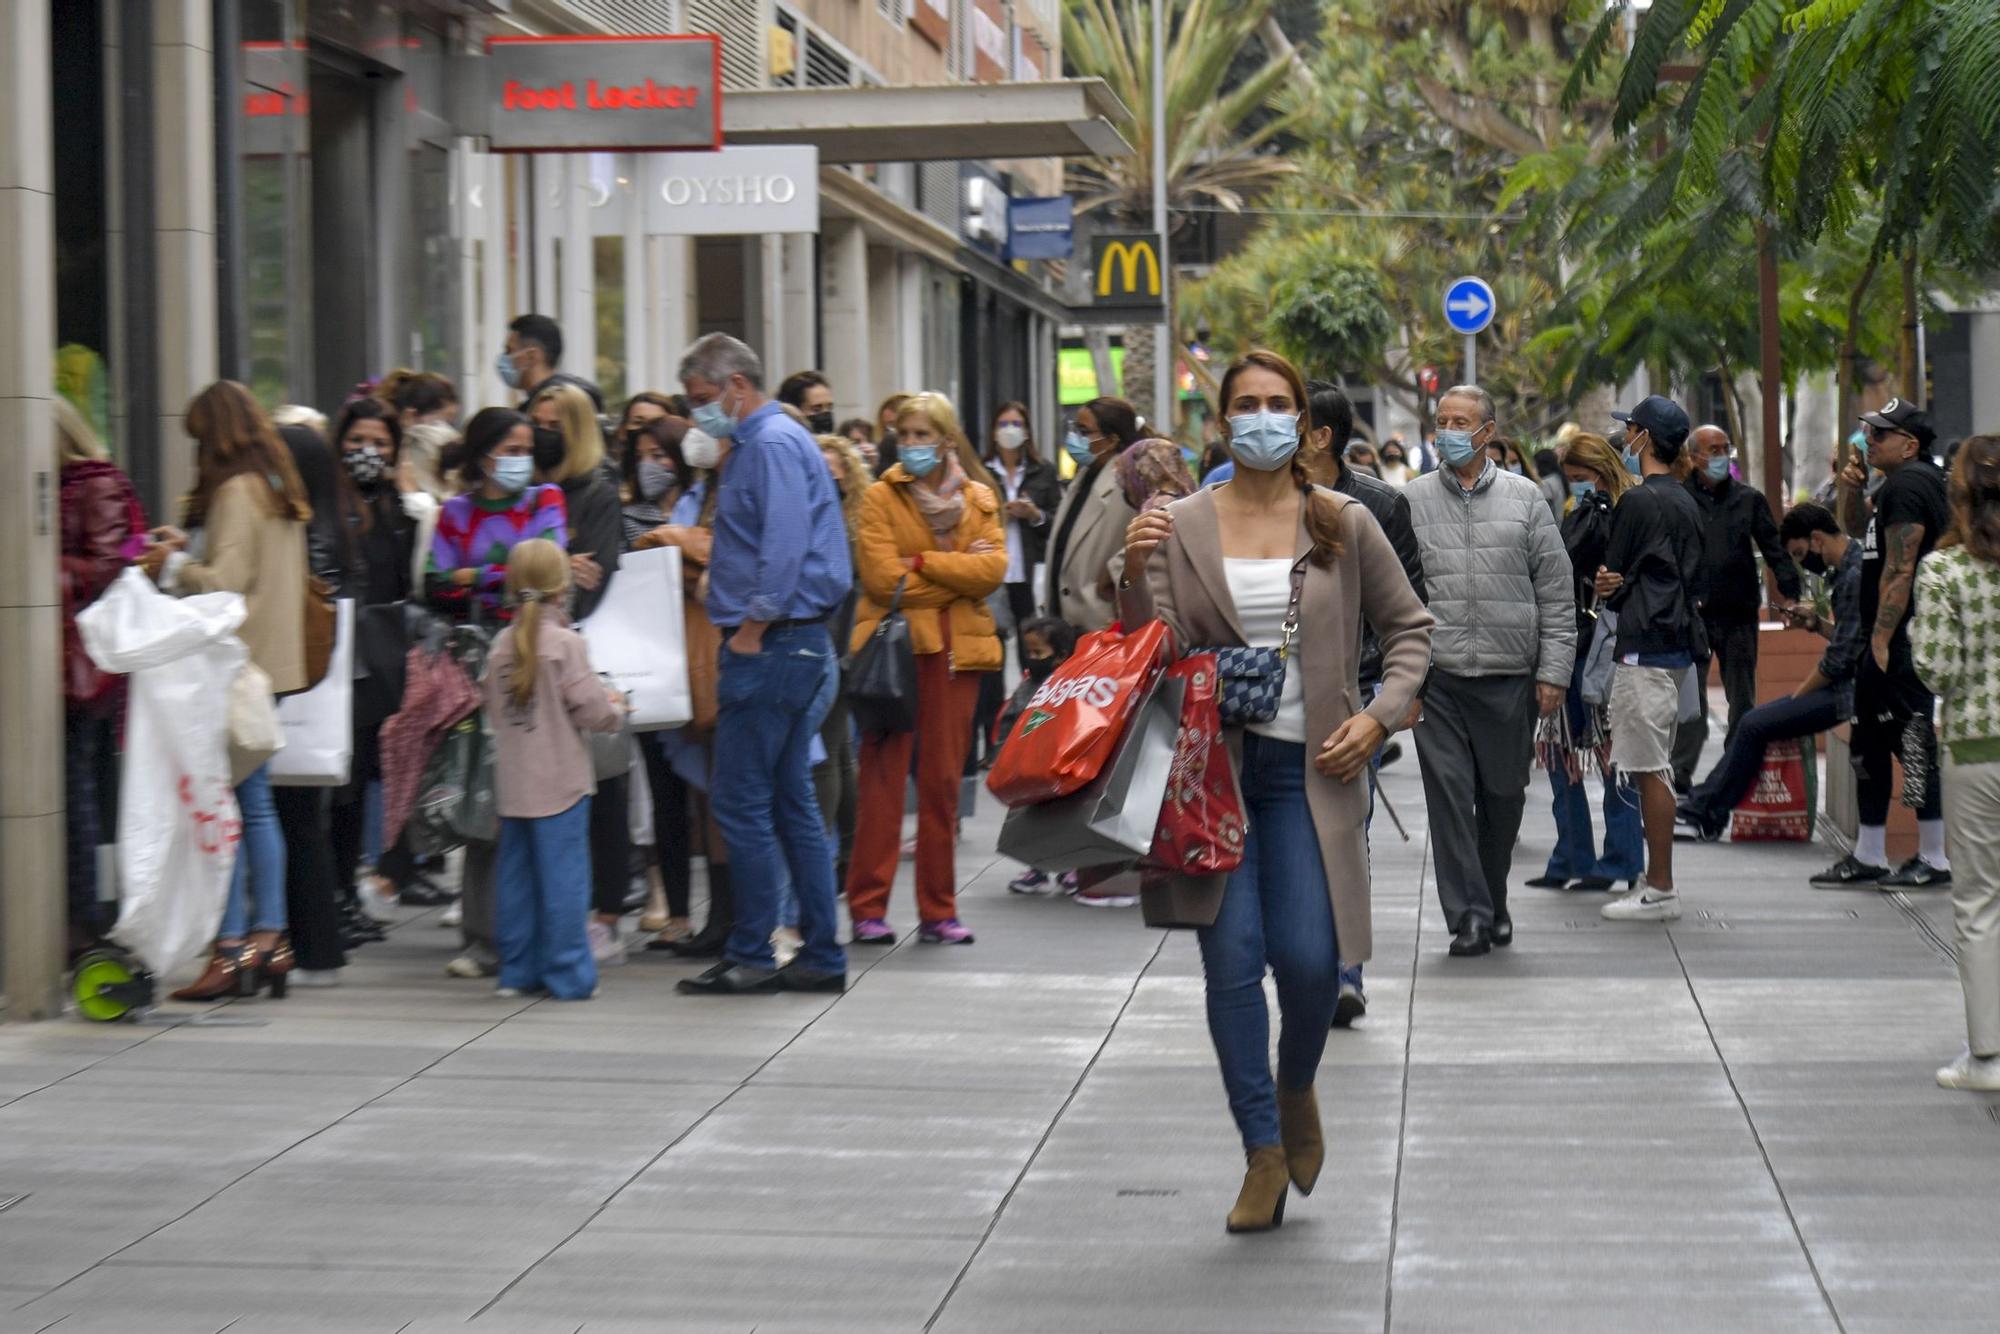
(1892, 710)
(1736, 525)
(1652, 577)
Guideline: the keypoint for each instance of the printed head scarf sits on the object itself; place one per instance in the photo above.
(1153, 474)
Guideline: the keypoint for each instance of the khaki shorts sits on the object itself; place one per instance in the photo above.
(1645, 709)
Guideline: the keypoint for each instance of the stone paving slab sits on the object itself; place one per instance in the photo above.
(1728, 1125)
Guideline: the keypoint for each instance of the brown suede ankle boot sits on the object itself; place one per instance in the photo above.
(1298, 1127)
(1261, 1204)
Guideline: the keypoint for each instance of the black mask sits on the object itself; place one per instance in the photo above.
(1813, 563)
(549, 451)
(821, 422)
(1038, 669)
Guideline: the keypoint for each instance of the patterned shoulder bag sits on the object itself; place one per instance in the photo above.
(1253, 679)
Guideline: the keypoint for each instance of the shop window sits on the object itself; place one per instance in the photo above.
(608, 269)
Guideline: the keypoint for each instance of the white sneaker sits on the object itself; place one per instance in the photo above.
(605, 947)
(380, 906)
(509, 993)
(1644, 904)
(1980, 1073)
(467, 966)
(453, 914)
(1106, 900)
(785, 944)
(316, 977)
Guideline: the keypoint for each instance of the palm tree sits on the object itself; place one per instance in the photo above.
(1219, 137)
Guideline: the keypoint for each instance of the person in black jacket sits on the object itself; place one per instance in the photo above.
(596, 538)
(1652, 577)
(1736, 525)
(1333, 423)
(1031, 492)
(1595, 479)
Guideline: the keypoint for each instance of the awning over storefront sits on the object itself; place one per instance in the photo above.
(1059, 118)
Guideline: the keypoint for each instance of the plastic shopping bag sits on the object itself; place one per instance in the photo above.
(1113, 820)
(1072, 724)
(637, 638)
(178, 824)
(1202, 821)
(319, 724)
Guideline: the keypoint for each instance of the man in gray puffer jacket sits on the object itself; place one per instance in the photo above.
(1499, 585)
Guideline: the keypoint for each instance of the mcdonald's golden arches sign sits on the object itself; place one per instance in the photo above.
(1125, 270)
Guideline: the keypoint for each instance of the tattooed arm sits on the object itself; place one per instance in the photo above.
(1900, 545)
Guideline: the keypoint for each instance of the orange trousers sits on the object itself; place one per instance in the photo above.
(945, 704)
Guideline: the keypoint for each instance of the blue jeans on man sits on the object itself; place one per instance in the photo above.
(1275, 914)
(768, 711)
(1575, 854)
(1781, 720)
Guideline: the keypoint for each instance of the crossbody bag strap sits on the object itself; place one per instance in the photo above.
(1291, 625)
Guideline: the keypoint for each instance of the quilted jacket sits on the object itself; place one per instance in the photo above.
(1497, 575)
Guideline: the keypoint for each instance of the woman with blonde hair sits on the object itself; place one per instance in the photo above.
(103, 531)
(930, 543)
(249, 511)
(1955, 641)
(596, 539)
(1577, 737)
(540, 695)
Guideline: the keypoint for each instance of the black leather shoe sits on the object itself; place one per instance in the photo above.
(1705, 829)
(732, 979)
(1915, 873)
(1471, 939)
(796, 978)
(1503, 930)
(1850, 873)
(1549, 882)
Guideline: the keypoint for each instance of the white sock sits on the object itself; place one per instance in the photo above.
(1930, 844)
(1872, 846)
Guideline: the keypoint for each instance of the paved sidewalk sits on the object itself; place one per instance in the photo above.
(1726, 1126)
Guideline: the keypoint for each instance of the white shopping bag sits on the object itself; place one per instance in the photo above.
(638, 639)
(319, 724)
(178, 824)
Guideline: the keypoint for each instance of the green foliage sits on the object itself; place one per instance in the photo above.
(1301, 294)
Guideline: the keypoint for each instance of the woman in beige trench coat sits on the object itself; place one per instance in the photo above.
(1220, 568)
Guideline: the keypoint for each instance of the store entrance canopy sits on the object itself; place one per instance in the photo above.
(1060, 118)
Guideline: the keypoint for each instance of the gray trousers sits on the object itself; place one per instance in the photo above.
(475, 901)
(1476, 743)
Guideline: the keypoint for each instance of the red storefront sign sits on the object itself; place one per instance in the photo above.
(589, 94)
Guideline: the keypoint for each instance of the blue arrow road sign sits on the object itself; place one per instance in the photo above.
(1468, 305)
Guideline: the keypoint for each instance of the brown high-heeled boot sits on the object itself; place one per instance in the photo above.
(1298, 1128)
(278, 965)
(1261, 1204)
(222, 977)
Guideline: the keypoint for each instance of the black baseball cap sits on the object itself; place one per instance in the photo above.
(1899, 414)
(1661, 418)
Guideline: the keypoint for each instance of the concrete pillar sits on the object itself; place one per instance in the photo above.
(769, 321)
(673, 299)
(798, 331)
(844, 315)
(31, 749)
(910, 331)
(184, 236)
(884, 303)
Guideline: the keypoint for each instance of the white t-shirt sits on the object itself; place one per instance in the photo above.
(1262, 590)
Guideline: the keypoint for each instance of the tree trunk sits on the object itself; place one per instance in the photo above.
(1139, 363)
(1734, 407)
(1791, 437)
(1908, 374)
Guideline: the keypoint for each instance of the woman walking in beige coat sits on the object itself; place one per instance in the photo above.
(1267, 560)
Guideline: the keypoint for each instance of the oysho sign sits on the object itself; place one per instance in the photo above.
(733, 192)
(603, 94)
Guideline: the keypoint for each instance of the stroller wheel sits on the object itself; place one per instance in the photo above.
(108, 986)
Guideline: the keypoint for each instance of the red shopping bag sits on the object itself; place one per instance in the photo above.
(1781, 804)
(1072, 723)
(1202, 822)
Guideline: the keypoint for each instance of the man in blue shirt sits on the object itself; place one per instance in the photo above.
(780, 565)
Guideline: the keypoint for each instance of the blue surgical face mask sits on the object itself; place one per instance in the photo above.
(918, 460)
(714, 419)
(510, 374)
(513, 473)
(1583, 490)
(1456, 447)
(1264, 440)
(1078, 447)
(1632, 464)
(1718, 467)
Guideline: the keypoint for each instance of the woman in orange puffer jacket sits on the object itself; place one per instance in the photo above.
(931, 524)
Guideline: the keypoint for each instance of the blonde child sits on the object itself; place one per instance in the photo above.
(540, 695)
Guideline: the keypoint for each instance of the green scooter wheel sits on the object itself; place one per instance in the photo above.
(100, 983)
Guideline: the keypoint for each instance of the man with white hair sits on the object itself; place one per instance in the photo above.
(1498, 577)
(778, 569)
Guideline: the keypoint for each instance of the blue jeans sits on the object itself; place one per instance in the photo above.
(260, 864)
(788, 899)
(1781, 720)
(769, 707)
(1276, 913)
(1575, 854)
(541, 895)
